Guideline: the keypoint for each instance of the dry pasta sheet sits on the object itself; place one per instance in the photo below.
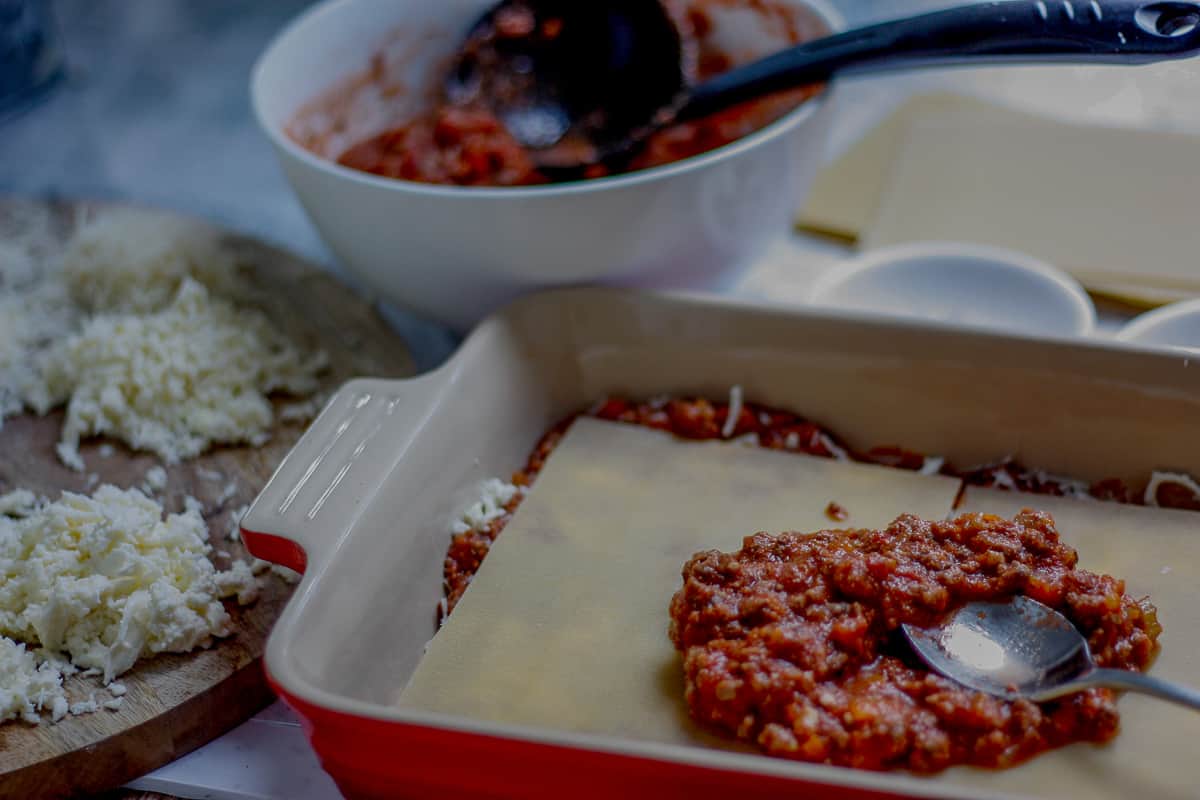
(565, 625)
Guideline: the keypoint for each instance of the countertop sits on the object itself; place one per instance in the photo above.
(154, 109)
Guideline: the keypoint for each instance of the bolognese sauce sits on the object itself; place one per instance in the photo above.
(463, 143)
(791, 643)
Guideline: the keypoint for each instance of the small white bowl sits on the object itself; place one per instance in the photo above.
(454, 254)
(960, 285)
(1175, 326)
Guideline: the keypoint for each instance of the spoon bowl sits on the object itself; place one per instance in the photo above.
(573, 82)
(1024, 649)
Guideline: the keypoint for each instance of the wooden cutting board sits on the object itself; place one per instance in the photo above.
(175, 703)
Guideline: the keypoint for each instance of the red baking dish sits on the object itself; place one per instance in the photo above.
(363, 505)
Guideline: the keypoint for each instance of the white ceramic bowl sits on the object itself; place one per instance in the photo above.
(962, 285)
(454, 254)
(1175, 326)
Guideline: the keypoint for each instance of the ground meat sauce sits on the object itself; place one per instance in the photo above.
(465, 145)
(792, 642)
(774, 429)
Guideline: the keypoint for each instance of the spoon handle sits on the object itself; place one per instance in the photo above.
(1136, 682)
(1023, 31)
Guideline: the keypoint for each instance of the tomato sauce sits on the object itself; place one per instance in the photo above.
(466, 145)
(792, 643)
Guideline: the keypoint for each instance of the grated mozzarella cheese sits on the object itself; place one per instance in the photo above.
(932, 465)
(126, 334)
(839, 454)
(18, 503)
(26, 687)
(107, 580)
(235, 523)
(155, 480)
(31, 320)
(135, 261)
(495, 494)
(174, 382)
(734, 413)
(1158, 478)
(88, 706)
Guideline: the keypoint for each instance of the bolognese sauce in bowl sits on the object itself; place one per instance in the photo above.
(463, 143)
(434, 207)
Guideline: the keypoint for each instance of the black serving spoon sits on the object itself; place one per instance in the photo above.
(584, 82)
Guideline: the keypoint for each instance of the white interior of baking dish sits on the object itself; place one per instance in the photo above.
(357, 628)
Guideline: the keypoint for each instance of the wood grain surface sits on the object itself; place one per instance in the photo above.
(176, 703)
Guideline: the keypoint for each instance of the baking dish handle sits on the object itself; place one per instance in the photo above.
(333, 472)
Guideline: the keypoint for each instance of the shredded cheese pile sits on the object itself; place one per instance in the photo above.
(98, 583)
(138, 334)
(173, 382)
(135, 261)
(107, 579)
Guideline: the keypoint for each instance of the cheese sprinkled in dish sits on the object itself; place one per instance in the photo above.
(495, 494)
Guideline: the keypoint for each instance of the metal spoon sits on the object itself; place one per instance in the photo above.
(581, 83)
(1023, 648)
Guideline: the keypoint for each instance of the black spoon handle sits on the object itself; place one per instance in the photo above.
(1023, 31)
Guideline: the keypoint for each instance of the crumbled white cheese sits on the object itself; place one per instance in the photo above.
(134, 261)
(106, 450)
(235, 523)
(258, 567)
(932, 465)
(1159, 478)
(59, 709)
(31, 320)
(114, 704)
(106, 580)
(734, 413)
(18, 503)
(238, 581)
(792, 440)
(1002, 480)
(286, 574)
(174, 382)
(302, 410)
(116, 689)
(838, 453)
(1071, 487)
(155, 480)
(26, 687)
(193, 506)
(227, 493)
(495, 494)
(88, 706)
(210, 475)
